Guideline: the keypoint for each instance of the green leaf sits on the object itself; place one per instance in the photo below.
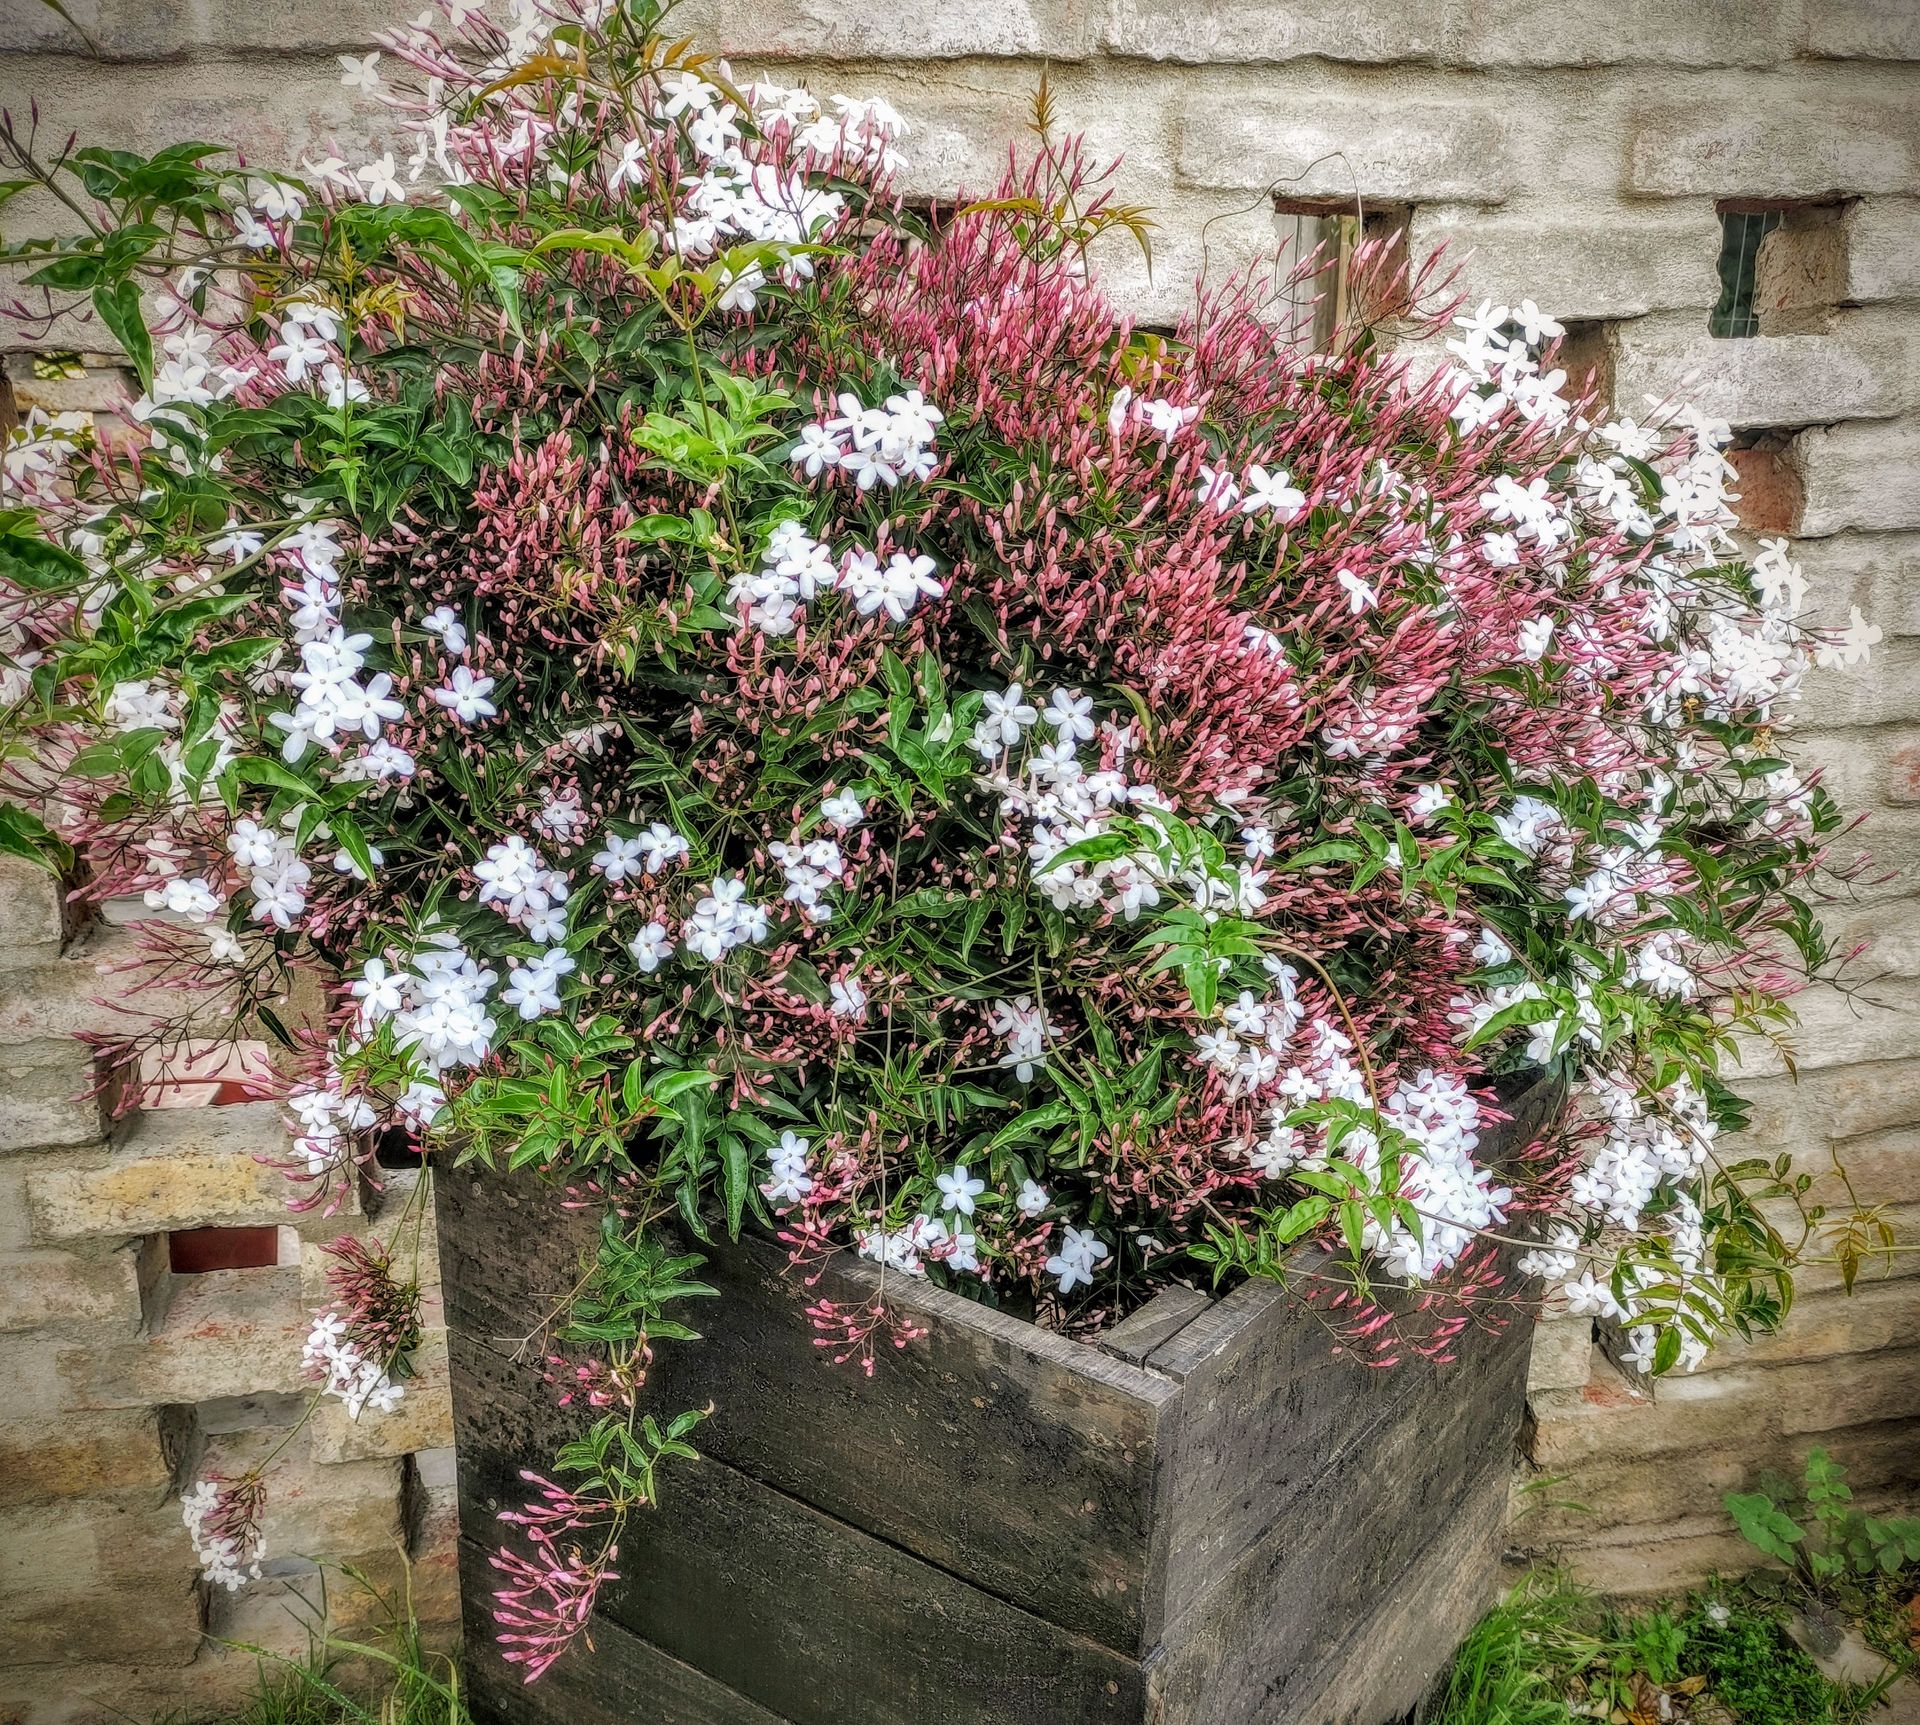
(1764, 1524)
(37, 564)
(739, 1178)
(119, 309)
(23, 834)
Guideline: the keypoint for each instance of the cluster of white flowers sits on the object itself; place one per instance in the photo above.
(1720, 666)
(646, 852)
(514, 879)
(1260, 492)
(787, 1162)
(877, 445)
(724, 919)
(327, 1122)
(34, 456)
(333, 701)
(277, 878)
(1507, 366)
(188, 376)
(344, 1371)
(223, 1560)
(1081, 1251)
(1045, 786)
(810, 869)
(795, 568)
(1026, 1030)
(533, 988)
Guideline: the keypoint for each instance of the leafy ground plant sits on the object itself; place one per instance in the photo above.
(771, 711)
(1552, 1653)
(388, 1677)
(1818, 1533)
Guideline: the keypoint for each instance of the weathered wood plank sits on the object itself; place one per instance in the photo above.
(828, 1626)
(620, 1680)
(1389, 1661)
(1020, 1460)
(1017, 1459)
(1265, 1401)
(807, 1617)
(1256, 1644)
(1163, 1317)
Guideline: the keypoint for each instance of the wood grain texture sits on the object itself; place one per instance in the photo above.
(1211, 1519)
(619, 1680)
(1020, 1461)
(1259, 1638)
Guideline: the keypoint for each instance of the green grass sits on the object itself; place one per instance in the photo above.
(390, 1678)
(1552, 1653)
(1514, 1666)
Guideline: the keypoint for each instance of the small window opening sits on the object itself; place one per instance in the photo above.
(395, 1147)
(1783, 268)
(1741, 232)
(195, 1251)
(1347, 288)
(1766, 481)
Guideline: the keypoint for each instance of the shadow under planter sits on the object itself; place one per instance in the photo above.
(1209, 1518)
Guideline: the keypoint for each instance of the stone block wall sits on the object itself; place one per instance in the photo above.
(128, 1373)
(1581, 155)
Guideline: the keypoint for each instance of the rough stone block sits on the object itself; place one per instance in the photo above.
(33, 914)
(1864, 30)
(227, 1333)
(175, 1168)
(42, 1288)
(1764, 380)
(1837, 1030)
(314, 1511)
(1859, 476)
(1833, 1394)
(102, 984)
(1838, 1330)
(1254, 32)
(1562, 1357)
(1336, 146)
(110, 29)
(1879, 572)
(43, 1096)
(1854, 139)
(1883, 691)
(1883, 248)
(1660, 32)
(1800, 274)
(1653, 259)
(285, 27)
(104, 1579)
(299, 110)
(94, 1455)
(1661, 1566)
(1215, 238)
(1606, 1418)
(908, 30)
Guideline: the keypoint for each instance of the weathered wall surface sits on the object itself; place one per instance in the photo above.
(1584, 153)
(121, 1377)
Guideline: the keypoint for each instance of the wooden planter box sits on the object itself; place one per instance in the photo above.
(1210, 1518)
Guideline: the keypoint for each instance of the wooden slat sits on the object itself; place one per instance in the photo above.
(807, 1617)
(619, 1680)
(1330, 1576)
(1015, 1458)
(1265, 1400)
(1022, 1461)
(1163, 1317)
